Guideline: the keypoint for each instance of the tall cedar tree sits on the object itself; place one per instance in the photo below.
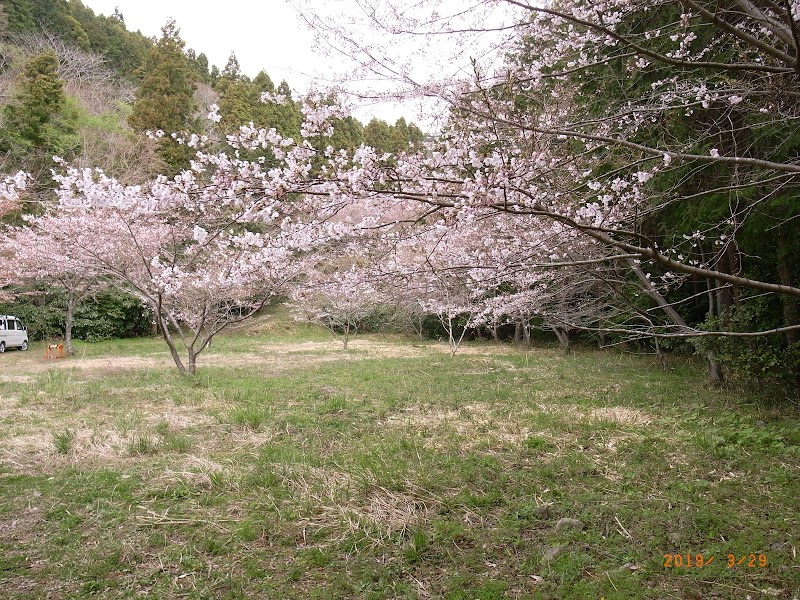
(164, 100)
(36, 124)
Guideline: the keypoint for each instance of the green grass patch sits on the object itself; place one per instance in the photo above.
(288, 468)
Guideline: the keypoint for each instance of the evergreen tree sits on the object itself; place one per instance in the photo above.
(237, 105)
(37, 123)
(263, 83)
(202, 67)
(123, 50)
(26, 15)
(348, 134)
(233, 70)
(164, 100)
(378, 134)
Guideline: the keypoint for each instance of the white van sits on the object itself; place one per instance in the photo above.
(13, 334)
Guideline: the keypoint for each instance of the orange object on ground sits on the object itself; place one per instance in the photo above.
(54, 351)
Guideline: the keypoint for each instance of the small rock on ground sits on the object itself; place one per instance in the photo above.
(566, 523)
(552, 553)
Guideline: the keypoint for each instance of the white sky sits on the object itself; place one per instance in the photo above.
(270, 35)
(266, 34)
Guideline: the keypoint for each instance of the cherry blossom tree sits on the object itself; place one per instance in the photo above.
(38, 260)
(12, 188)
(187, 254)
(341, 301)
(205, 249)
(663, 132)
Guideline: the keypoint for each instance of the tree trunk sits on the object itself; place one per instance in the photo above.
(70, 319)
(790, 306)
(450, 337)
(662, 361)
(172, 349)
(715, 373)
(563, 338)
(734, 266)
(518, 333)
(714, 368)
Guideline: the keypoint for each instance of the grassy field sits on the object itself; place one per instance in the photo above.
(288, 468)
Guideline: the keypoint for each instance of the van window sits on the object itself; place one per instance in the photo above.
(12, 325)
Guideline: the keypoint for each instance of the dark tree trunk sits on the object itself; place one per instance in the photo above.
(790, 305)
(563, 338)
(69, 321)
(714, 369)
(173, 350)
(601, 339)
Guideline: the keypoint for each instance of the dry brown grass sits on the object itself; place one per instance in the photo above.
(618, 414)
(340, 505)
(474, 424)
(621, 415)
(193, 471)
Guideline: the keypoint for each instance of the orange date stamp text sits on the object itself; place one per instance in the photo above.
(700, 561)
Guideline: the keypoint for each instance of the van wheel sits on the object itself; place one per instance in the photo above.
(24, 346)
(2, 346)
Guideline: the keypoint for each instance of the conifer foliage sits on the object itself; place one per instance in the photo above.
(35, 123)
(164, 99)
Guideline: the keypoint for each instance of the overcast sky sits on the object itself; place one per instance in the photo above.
(270, 35)
(266, 34)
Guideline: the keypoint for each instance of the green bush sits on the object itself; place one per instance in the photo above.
(767, 360)
(108, 315)
(111, 315)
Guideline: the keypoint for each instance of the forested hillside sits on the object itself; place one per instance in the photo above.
(108, 82)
